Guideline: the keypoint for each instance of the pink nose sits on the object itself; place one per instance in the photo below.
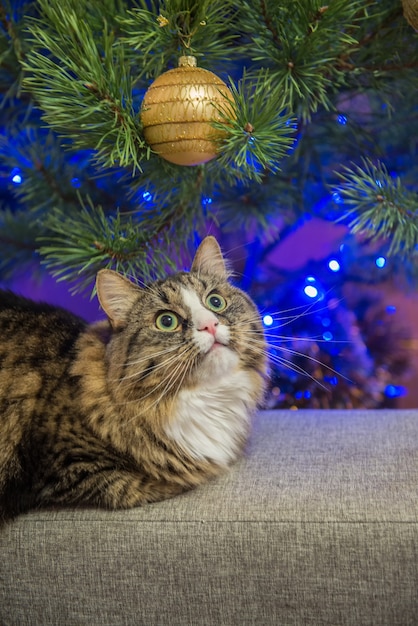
(209, 326)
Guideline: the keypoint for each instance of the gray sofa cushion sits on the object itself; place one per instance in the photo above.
(318, 524)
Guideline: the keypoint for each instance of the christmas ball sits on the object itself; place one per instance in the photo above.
(177, 112)
(410, 11)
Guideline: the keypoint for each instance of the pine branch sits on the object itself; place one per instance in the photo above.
(86, 78)
(78, 245)
(13, 46)
(47, 173)
(314, 51)
(381, 207)
(259, 135)
(302, 44)
(163, 31)
(84, 85)
(87, 64)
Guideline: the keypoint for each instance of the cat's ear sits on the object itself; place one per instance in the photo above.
(209, 260)
(116, 295)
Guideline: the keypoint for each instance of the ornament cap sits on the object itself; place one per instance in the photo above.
(187, 61)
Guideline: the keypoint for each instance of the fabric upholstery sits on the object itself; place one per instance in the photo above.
(318, 524)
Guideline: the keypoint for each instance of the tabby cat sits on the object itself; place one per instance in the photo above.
(149, 403)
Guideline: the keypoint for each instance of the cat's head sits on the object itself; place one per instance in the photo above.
(188, 329)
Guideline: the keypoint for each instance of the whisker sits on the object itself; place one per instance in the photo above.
(298, 369)
(285, 321)
(314, 339)
(176, 380)
(316, 361)
(169, 381)
(279, 317)
(267, 336)
(145, 357)
(281, 360)
(152, 368)
(152, 355)
(151, 392)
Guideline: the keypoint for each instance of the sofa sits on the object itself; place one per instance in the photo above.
(316, 525)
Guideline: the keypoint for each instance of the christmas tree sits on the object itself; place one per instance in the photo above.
(113, 156)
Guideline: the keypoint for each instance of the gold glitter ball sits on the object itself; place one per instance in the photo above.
(177, 112)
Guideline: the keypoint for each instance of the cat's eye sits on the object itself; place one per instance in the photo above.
(167, 321)
(215, 302)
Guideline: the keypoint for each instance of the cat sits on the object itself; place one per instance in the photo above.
(145, 405)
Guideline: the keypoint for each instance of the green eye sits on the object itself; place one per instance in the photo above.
(167, 321)
(216, 302)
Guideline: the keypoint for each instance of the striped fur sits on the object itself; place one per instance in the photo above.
(121, 413)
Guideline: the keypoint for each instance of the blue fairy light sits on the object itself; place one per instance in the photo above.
(337, 198)
(313, 288)
(16, 176)
(311, 291)
(206, 201)
(342, 119)
(332, 380)
(334, 266)
(76, 182)
(380, 262)
(147, 196)
(268, 320)
(328, 336)
(395, 391)
(391, 309)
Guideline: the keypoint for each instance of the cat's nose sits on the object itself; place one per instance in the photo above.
(209, 326)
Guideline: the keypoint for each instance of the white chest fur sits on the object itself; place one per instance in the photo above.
(212, 420)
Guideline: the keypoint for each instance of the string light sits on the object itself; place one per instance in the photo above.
(395, 391)
(334, 266)
(380, 262)
(268, 320)
(332, 380)
(311, 291)
(16, 176)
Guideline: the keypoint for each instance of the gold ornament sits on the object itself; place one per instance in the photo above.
(177, 112)
(410, 11)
